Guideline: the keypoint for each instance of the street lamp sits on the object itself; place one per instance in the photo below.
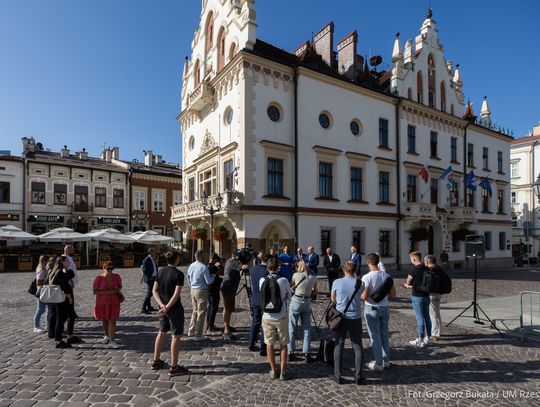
(211, 210)
(536, 187)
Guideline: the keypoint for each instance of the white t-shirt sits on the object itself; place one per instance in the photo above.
(373, 280)
(73, 267)
(285, 291)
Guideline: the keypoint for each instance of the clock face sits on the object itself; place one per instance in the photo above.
(273, 113)
(324, 120)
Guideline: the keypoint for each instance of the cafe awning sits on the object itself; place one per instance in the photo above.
(110, 235)
(13, 233)
(63, 235)
(151, 237)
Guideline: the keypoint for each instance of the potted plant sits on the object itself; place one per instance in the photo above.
(199, 233)
(221, 232)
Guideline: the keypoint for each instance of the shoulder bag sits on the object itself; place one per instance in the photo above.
(33, 287)
(52, 294)
(334, 318)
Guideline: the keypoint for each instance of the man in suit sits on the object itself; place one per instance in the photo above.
(299, 256)
(312, 260)
(332, 263)
(149, 271)
(357, 259)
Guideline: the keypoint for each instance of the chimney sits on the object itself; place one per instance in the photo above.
(83, 155)
(116, 153)
(536, 130)
(347, 55)
(324, 43)
(148, 158)
(106, 155)
(64, 153)
(29, 144)
(158, 159)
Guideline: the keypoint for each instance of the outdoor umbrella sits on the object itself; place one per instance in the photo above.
(11, 232)
(65, 235)
(151, 237)
(109, 235)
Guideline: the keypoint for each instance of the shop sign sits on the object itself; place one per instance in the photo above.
(112, 221)
(45, 218)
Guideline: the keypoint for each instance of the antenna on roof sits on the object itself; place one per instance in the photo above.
(105, 145)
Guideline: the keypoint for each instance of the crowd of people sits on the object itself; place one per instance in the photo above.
(280, 287)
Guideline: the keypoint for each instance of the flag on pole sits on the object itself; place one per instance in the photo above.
(469, 181)
(486, 184)
(449, 176)
(424, 174)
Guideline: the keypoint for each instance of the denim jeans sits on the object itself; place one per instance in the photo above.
(354, 328)
(377, 325)
(421, 311)
(255, 332)
(300, 308)
(40, 310)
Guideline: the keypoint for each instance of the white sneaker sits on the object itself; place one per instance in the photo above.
(200, 338)
(386, 364)
(374, 366)
(104, 340)
(426, 341)
(114, 345)
(39, 331)
(418, 342)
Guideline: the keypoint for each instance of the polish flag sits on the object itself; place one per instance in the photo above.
(424, 174)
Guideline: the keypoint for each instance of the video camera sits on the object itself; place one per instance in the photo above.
(244, 255)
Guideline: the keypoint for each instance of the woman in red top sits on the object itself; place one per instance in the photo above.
(107, 288)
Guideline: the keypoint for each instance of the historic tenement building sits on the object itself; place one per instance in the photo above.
(320, 146)
(73, 190)
(524, 173)
(155, 186)
(11, 191)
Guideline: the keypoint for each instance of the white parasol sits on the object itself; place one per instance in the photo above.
(63, 235)
(109, 235)
(13, 233)
(151, 237)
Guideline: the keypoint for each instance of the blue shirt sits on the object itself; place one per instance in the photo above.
(256, 273)
(199, 276)
(343, 289)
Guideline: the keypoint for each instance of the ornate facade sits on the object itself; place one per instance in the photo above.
(320, 147)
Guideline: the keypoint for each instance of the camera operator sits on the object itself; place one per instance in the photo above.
(214, 266)
(229, 286)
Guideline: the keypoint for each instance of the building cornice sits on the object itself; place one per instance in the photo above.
(327, 150)
(276, 145)
(158, 178)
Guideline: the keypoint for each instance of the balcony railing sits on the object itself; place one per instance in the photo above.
(420, 211)
(461, 215)
(201, 97)
(82, 208)
(232, 202)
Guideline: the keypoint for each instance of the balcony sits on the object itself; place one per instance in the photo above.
(201, 98)
(419, 211)
(461, 215)
(77, 208)
(232, 203)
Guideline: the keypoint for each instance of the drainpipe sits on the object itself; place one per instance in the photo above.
(25, 188)
(533, 180)
(295, 212)
(465, 146)
(398, 186)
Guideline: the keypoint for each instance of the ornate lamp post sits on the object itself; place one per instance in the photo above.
(211, 210)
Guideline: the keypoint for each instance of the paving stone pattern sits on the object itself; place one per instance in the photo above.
(468, 367)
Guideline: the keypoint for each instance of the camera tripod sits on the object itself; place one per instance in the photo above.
(247, 288)
(474, 304)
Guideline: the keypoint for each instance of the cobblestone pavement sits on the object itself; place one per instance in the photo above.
(468, 367)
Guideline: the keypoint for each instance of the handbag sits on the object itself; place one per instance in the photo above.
(52, 294)
(33, 287)
(381, 293)
(334, 318)
(121, 297)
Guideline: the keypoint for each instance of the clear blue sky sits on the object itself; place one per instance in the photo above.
(84, 73)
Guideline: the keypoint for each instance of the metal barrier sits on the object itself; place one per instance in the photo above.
(529, 318)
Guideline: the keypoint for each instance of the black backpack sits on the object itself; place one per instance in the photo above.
(445, 286)
(271, 295)
(431, 281)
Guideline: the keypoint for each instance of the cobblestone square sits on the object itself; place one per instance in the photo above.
(467, 367)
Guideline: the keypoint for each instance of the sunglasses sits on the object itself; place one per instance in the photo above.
(109, 269)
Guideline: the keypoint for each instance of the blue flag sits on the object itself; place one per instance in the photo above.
(486, 184)
(448, 173)
(469, 181)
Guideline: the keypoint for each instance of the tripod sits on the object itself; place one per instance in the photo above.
(247, 288)
(474, 304)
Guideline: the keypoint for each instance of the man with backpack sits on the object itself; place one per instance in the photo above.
(275, 291)
(441, 284)
(416, 280)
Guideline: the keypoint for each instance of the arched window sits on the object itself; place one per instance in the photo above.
(443, 96)
(209, 32)
(409, 94)
(431, 81)
(197, 73)
(419, 88)
(221, 49)
(232, 51)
